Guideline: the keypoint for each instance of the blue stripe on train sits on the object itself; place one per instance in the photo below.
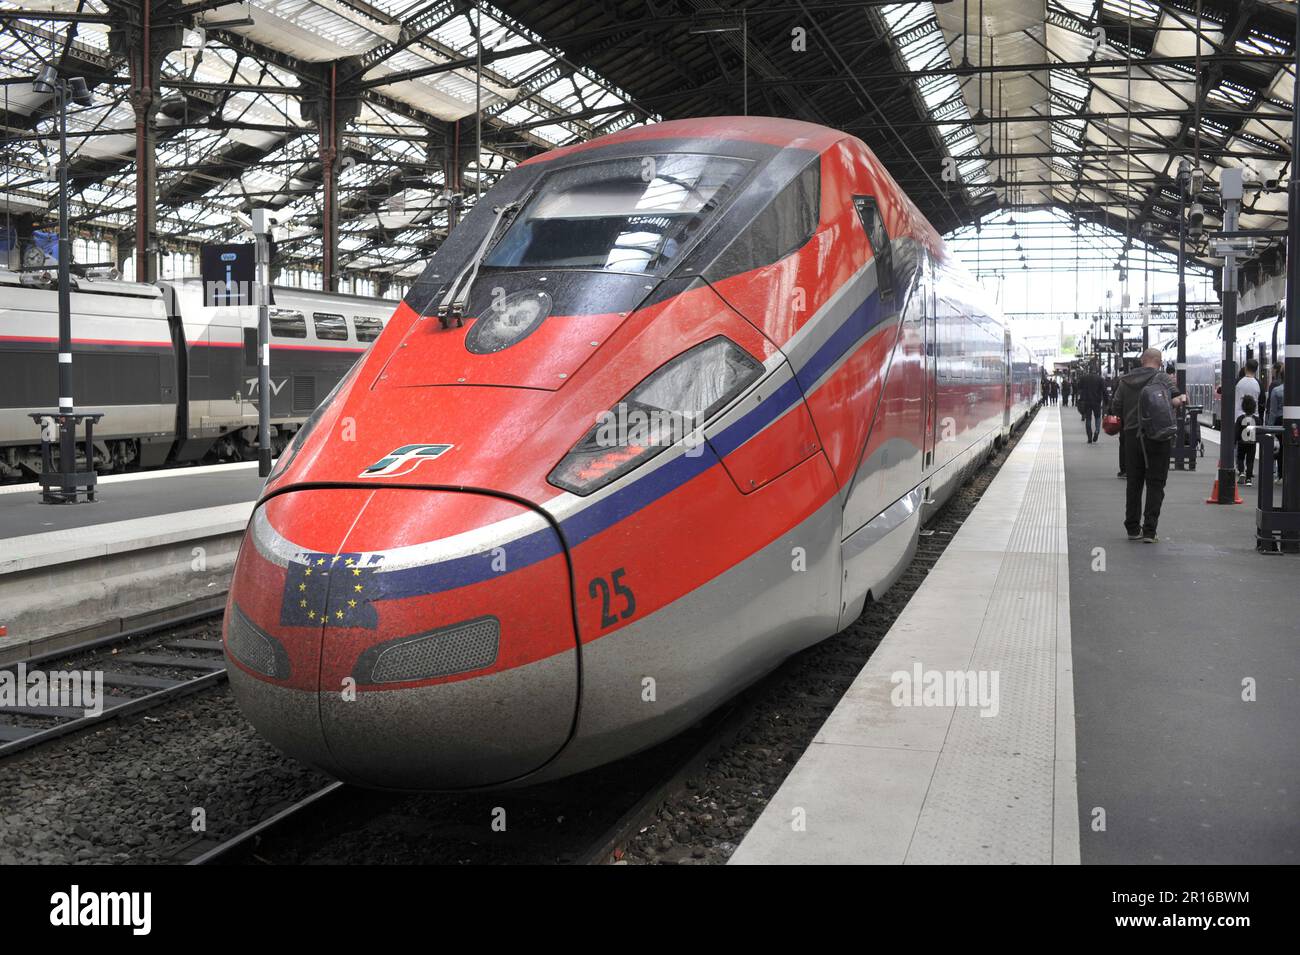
(608, 511)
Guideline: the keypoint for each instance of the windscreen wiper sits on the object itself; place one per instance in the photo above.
(452, 307)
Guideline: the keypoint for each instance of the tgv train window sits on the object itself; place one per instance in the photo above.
(874, 225)
(784, 226)
(329, 327)
(368, 327)
(288, 323)
(624, 215)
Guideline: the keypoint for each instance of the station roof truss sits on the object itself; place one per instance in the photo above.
(234, 130)
(973, 105)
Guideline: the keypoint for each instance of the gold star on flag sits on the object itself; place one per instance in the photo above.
(302, 603)
(349, 561)
(319, 561)
(352, 603)
(302, 586)
(311, 614)
(357, 588)
(356, 572)
(339, 614)
(307, 572)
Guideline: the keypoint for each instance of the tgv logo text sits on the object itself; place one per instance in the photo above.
(75, 908)
(405, 459)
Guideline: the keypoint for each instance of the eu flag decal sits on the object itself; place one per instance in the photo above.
(330, 590)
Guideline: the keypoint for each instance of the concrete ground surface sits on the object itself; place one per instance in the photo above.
(128, 497)
(953, 781)
(1148, 692)
(1165, 636)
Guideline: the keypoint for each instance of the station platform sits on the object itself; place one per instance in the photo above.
(122, 497)
(1118, 732)
(154, 544)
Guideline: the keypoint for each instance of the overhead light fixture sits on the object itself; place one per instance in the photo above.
(80, 91)
(45, 80)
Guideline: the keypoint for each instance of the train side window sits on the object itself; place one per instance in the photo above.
(250, 346)
(368, 327)
(784, 226)
(288, 323)
(873, 223)
(330, 327)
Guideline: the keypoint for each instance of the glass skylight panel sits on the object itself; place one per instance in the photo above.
(1137, 10)
(1232, 94)
(1257, 41)
(922, 45)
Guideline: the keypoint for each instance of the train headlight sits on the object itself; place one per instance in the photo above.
(509, 320)
(667, 407)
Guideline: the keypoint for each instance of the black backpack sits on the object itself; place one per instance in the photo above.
(1156, 410)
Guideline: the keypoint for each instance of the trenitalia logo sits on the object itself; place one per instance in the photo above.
(405, 459)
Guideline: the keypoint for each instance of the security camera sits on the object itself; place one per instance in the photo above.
(1195, 219)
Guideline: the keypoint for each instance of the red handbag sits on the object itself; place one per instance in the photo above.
(1111, 424)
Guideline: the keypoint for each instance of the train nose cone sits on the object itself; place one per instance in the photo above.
(404, 638)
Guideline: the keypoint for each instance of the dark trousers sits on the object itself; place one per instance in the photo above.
(1092, 420)
(1123, 450)
(1147, 467)
(1246, 460)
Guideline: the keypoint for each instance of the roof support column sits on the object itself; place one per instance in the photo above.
(457, 150)
(145, 101)
(330, 111)
(145, 105)
(328, 146)
(145, 49)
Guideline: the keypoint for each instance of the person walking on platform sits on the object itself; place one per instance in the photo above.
(1246, 449)
(1247, 384)
(1273, 414)
(1147, 464)
(1091, 396)
(1065, 393)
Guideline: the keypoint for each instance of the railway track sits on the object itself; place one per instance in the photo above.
(691, 752)
(134, 671)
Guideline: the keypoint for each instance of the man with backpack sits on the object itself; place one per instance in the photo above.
(1145, 400)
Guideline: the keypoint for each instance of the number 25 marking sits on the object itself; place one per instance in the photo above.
(599, 587)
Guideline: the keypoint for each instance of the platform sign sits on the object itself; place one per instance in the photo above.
(228, 273)
(1107, 345)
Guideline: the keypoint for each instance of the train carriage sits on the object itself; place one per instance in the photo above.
(667, 407)
(175, 377)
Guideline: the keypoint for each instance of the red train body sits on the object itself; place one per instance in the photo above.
(666, 408)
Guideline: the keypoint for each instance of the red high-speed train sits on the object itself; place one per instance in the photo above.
(667, 407)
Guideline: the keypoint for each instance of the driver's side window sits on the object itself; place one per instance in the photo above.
(873, 223)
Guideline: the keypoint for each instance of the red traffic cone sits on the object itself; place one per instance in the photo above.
(1214, 494)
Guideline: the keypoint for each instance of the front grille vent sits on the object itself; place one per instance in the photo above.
(460, 648)
(254, 647)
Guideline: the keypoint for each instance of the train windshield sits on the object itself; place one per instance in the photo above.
(622, 215)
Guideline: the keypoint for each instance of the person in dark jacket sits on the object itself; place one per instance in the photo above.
(1273, 413)
(1090, 396)
(1147, 464)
